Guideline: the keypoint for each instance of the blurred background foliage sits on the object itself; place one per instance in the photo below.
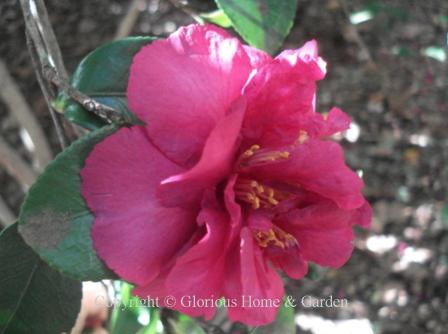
(387, 69)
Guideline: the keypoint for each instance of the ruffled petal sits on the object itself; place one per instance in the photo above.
(291, 262)
(318, 126)
(323, 231)
(307, 57)
(257, 57)
(216, 162)
(363, 215)
(200, 271)
(260, 219)
(281, 95)
(131, 232)
(155, 290)
(183, 85)
(317, 166)
(233, 208)
(253, 279)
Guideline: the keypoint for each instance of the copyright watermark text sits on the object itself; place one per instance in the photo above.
(244, 301)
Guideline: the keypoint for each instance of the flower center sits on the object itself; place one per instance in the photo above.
(275, 237)
(256, 194)
(257, 156)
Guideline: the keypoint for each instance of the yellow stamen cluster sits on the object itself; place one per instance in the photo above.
(250, 152)
(275, 237)
(256, 194)
(255, 155)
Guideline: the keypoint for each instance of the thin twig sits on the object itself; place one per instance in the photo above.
(183, 6)
(49, 66)
(128, 22)
(54, 54)
(7, 217)
(49, 38)
(15, 165)
(46, 90)
(43, 51)
(18, 107)
(47, 58)
(357, 36)
(105, 112)
(210, 328)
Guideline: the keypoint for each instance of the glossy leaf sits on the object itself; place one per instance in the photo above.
(34, 298)
(103, 75)
(153, 326)
(283, 324)
(185, 324)
(315, 272)
(54, 219)
(262, 23)
(217, 17)
(125, 316)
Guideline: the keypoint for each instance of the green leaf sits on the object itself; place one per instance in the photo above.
(103, 75)
(125, 316)
(283, 324)
(217, 17)
(402, 51)
(152, 327)
(262, 23)
(315, 272)
(185, 324)
(54, 219)
(445, 214)
(34, 298)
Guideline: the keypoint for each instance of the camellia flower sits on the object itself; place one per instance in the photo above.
(231, 180)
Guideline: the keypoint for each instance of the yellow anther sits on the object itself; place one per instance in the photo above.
(269, 196)
(251, 151)
(254, 200)
(255, 155)
(257, 195)
(273, 201)
(303, 137)
(275, 237)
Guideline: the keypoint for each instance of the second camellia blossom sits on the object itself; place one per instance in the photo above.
(231, 180)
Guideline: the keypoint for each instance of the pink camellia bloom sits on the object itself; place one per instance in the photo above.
(231, 180)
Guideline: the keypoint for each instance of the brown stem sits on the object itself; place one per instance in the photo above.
(128, 21)
(49, 39)
(105, 112)
(47, 90)
(183, 6)
(357, 36)
(43, 49)
(19, 108)
(49, 66)
(7, 217)
(15, 165)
